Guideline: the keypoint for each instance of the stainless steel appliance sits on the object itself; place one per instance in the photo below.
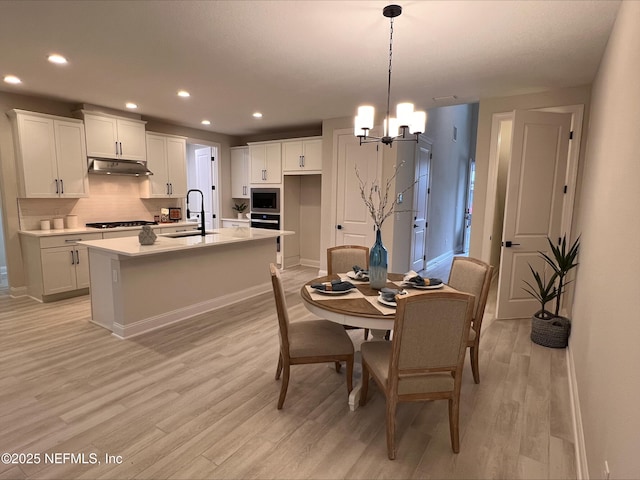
(265, 200)
(126, 223)
(270, 221)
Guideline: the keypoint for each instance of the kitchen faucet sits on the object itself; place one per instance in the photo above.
(201, 228)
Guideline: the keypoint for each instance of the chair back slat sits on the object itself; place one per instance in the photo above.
(431, 331)
(281, 308)
(472, 276)
(342, 258)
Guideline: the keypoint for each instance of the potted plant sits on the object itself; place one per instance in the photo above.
(239, 207)
(547, 328)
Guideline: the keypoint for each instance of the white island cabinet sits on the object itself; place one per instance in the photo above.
(137, 288)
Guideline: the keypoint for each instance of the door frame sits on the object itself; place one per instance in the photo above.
(214, 178)
(577, 115)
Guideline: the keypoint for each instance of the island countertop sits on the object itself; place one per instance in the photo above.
(130, 246)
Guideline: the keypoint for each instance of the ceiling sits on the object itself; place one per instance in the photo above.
(297, 62)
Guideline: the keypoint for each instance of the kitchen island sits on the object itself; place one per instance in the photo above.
(137, 288)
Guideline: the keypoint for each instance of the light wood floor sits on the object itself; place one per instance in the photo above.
(198, 400)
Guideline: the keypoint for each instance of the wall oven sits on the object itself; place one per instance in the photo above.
(265, 200)
(269, 221)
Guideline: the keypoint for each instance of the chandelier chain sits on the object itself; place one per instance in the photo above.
(387, 126)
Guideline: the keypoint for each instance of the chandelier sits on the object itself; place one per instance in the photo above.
(407, 124)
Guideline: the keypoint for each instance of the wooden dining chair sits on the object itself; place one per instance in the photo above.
(342, 258)
(424, 360)
(472, 276)
(308, 341)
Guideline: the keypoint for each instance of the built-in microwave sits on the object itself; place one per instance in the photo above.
(265, 200)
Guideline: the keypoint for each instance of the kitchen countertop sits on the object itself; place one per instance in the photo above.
(130, 246)
(71, 231)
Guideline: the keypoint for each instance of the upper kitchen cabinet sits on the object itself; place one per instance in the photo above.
(109, 136)
(303, 156)
(265, 162)
(51, 160)
(167, 160)
(240, 172)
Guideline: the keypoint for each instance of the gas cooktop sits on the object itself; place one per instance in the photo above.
(129, 223)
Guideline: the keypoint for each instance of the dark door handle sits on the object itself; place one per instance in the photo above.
(509, 244)
(339, 227)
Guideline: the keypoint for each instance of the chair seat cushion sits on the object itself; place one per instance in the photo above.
(378, 355)
(318, 338)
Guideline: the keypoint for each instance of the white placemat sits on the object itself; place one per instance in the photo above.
(354, 293)
(345, 278)
(381, 308)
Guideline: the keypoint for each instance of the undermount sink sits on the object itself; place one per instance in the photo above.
(186, 234)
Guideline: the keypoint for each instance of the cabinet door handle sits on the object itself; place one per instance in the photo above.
(57, 191)
(171, 189)
(120, 143)
(73, 259)
(77, 257)
(116, 148)
(61, 186)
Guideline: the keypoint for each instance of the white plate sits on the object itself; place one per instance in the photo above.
(352, 276)
(423, 287)
(332, 292)
(384, 302)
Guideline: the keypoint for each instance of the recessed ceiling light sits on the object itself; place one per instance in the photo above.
(59, 59)
(183, 93)
(257, 115)
(131, 105)
(12, 79)
(205, 122)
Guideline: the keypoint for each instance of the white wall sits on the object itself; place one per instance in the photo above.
(606, 310)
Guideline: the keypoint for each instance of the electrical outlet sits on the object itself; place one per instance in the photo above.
(606, 473)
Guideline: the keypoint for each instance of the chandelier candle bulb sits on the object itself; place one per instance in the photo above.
(404, 113)
(418, 122)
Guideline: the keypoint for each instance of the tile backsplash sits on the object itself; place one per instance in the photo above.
(110, 199)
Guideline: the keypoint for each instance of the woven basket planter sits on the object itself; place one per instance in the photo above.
(552, 333)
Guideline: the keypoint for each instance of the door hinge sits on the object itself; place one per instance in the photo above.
(430, 156)
(571, 135)
(213, 187)
(565, 189)
(428, 191)
(213, 159)
(424, 257)
(426, 224)
(213, 215)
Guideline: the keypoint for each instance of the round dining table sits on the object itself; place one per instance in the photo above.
(358, 308)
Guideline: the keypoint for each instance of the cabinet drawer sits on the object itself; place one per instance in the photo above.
(65, 240)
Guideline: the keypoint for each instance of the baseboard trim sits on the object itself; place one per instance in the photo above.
(307, 262)
(445, 257)
(15, 292)
(153, 323)
(582, 467)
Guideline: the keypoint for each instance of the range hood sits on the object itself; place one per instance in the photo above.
(105, 166)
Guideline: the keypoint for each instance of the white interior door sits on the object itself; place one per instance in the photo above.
(533, 204)
(354, 225)
(202, 177)
(420, 204)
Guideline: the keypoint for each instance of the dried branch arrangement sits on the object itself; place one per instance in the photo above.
(378, 203)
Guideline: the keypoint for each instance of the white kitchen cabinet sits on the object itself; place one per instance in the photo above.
(240, 172)
(109, 136)
(51, 159)
(56, 264)
(265, 163)
(167, 159)
(302, 156)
